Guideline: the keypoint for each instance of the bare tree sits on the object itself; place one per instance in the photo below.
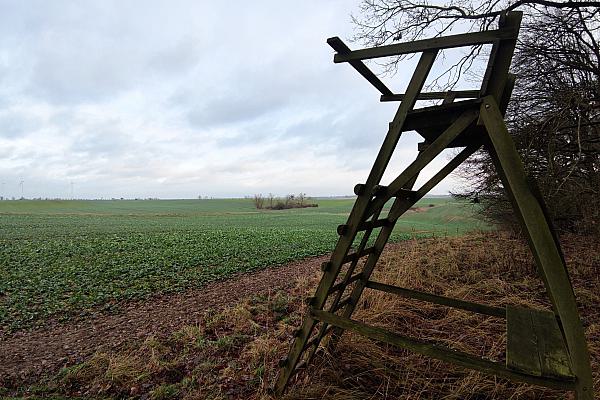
(381, 22)
(259, 201)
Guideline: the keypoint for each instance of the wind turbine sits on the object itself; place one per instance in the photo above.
(21, 184)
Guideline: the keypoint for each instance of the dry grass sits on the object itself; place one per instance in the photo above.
(233, 354)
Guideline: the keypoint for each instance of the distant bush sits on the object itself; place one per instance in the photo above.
(278, 203)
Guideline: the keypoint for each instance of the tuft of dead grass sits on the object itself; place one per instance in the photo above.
(234, 353)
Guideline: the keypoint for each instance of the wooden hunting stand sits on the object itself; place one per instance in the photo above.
(543, 347)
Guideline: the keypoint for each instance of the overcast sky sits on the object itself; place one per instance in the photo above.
(175, 99)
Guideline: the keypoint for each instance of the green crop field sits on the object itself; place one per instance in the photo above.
(66, 259)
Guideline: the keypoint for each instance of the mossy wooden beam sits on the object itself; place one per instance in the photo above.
(456, 94)
(417, 46)
(496, 75)
(338, 45)
(436, 299)
(439, 352)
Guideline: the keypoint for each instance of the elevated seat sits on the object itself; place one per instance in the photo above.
(430, 122)
(535, 344)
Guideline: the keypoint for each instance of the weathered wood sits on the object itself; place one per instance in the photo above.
(453, 124)
(458, 94)
(439, 43)
(541, 240)
(496, 75)
(373, 224)
(535, 344)
(338, 45)
(436, 299)
(521, 343)
(358, 255)
(438, 352)
(448, 113)
(343, 284)
(369, 266)
(553, 354)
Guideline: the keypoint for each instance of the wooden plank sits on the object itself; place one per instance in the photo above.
(554, 359)
(436, 299)
(458, 94)
(541, 241)
(417, 46)
(437, 351)
(521, 342)
(338, 45)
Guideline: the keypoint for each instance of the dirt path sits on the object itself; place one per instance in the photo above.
(25, 356)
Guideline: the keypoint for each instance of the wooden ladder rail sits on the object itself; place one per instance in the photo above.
(356, 216)
(340, 288)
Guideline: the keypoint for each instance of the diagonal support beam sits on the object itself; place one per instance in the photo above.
(338, 45)
(425, 157)
(541, 241)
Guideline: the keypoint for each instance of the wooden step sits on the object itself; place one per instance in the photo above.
(355, 256)
(535, 344)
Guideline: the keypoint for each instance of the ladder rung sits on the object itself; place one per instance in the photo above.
(343, 284)
(300, 365)
(373, 224)
(317, 338)
(342, 304)
(379, 190)
(356, 256)
(359, 189)
(409, 194)
(342, 229)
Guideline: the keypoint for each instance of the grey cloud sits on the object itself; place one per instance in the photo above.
(233, 109)
(150, 98)
(16, 124)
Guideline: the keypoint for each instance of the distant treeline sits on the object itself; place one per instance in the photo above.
(271, 202)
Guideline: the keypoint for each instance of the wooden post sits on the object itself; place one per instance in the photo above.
(541, 240)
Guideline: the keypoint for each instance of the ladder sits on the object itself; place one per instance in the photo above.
(543, 348)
